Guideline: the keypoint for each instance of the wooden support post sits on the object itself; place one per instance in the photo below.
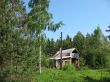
(61, 53)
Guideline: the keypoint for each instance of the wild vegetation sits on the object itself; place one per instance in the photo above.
(69, 74)
(21, 35)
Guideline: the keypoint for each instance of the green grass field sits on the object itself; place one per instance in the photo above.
(69, 75)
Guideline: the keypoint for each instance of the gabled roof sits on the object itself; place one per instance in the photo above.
(65, 54)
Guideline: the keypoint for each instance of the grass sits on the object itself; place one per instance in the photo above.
(82, 75)
(67, 74)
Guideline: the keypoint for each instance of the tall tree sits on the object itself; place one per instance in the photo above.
(50, 47)
(78, 42)
(98, 36)
(67, 43)
(108, 31)
(95, 44)
(11, 12)
(39, 17)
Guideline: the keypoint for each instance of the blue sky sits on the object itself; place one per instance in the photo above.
(79, 15)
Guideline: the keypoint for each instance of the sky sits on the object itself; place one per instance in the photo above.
(79, 15)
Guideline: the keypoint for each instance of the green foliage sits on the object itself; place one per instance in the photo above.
(97, 58)
(49, 48)
(39, 18)
(108, 31)
(88, 75)
(19, 40)
(79, 43)
(67, 43)
(82, 62)
(99, 38)
(68, 67)
(45, 61)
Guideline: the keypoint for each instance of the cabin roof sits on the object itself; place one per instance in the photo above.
(65, 54)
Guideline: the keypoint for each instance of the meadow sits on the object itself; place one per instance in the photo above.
(73, 75)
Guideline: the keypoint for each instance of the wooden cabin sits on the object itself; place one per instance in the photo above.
(69, 56)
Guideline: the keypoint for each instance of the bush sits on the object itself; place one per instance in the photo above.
(82, 62)
(68, 67)
(84, 68)
(97, 58)
(45, 61)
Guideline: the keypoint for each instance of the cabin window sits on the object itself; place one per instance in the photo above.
(75, 51)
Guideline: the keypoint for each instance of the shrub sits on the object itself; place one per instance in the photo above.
(68, 67)
(82, 62)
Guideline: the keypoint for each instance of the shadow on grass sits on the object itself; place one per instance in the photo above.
(89, 79)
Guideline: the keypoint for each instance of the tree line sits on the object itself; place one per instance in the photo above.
(93, 48)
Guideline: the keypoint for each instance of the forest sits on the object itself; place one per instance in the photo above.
(22, 37)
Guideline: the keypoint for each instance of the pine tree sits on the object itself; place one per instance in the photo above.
(108, 31)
